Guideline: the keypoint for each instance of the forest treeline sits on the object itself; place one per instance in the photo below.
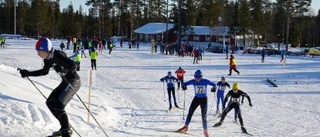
(290, 21)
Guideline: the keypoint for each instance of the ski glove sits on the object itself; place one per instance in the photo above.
(184, 87)
(24, 73)
(213, 89)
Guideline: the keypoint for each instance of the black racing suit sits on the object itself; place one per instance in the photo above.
(70, 84)
(234, 103)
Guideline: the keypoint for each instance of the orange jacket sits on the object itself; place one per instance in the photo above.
(180, 73)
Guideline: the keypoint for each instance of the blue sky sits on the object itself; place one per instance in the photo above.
(76, 3)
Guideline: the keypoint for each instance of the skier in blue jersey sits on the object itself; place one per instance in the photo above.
(170, 88)
(222, 85)
(200, 91)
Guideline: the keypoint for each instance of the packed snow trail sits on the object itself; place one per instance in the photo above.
(127, 95)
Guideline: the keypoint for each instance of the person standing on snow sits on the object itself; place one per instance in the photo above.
(77, 59)
(201, 52)
(283, 53)
(62, 45)
(180, 73)
(170, 88)
(93, 56)
(195, 56)
(110, 46)
(234, 102)
(232, 65)
(60, 96)
(263, 54)
(222, 85)
(200, 91)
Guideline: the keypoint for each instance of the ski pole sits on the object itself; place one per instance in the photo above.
(64, 78)
(214, 100)
(46, 99)
(178, 93)
(184, 103)
(164, 92)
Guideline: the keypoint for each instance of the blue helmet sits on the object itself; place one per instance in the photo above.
(198, 73)
(223, 78)
(169, 73)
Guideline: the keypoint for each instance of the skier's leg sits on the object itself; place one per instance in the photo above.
(226, 111)
(222, 100)
(194, 104)
(169, 97)
(239, 115)
(204, 109)
(92, 64)
(236, 71)
(218, 101)
(59, 98)
(95, 64)
(174, 97)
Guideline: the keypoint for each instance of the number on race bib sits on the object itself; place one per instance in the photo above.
(200, 89)
(222, 87)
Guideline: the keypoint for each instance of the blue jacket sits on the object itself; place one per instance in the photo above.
(169, 81)
(200, 88)
(222, 86)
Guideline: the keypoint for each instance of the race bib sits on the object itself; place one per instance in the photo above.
(235, 99)
(200, 89)
(170, 81)
(222, 88)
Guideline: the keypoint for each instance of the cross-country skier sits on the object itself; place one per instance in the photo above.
(170, 88)
(93, 56)
(180, 73)
(76, 57)
(233, 66)
(70, 84)
(200, 91)
(234, 102)
(222, 85)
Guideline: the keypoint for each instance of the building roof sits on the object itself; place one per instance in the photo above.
(154, 28)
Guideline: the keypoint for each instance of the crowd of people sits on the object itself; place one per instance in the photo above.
(67, 68)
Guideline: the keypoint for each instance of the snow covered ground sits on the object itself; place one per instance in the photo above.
(128, 98)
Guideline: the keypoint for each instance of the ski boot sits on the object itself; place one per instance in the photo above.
(176, 105)
(217, 124)
(170, 106)
(184, 129)
(244, 130)
(62, 133)
(205, 133)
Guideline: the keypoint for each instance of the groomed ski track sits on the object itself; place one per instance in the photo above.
(128, 97)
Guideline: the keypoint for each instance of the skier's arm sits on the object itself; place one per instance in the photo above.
(242, 99)
(184, 85)
(248, 97)
(40, 72)
(228, 85)
(162, 79)
(177, 80)
(62, 60)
